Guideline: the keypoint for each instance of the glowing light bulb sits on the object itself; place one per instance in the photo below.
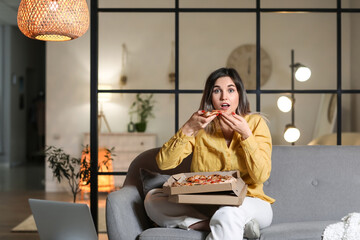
(291, 134)
(302, 74)
(284, 103)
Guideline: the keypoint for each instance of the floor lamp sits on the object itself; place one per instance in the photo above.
(286, 103)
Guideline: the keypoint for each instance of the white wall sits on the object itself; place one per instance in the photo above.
(67, 96)
(206, 41)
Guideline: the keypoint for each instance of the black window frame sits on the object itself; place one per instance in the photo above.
(94, 54)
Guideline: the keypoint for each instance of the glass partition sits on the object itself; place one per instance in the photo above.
(350, 51)
(350, 4)
(119, 114)
(121, 131)
(126, 61)
(188, 104)
(314, 116)
(207, 41)
(350, 112)
(312, 36)
(216, 34)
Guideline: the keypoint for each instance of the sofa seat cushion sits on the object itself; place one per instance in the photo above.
(172, 233)
(311, 230)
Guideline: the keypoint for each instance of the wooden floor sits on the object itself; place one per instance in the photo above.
(17, 185)
(14, 208)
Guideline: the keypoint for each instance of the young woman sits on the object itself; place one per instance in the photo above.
(232, 139)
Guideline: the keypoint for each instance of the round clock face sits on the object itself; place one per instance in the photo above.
(243, 59)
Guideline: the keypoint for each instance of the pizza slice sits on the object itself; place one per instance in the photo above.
(213, 112)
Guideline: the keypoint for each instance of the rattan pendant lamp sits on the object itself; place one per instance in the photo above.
(53, 20)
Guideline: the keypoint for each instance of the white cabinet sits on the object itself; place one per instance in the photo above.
(127, 147)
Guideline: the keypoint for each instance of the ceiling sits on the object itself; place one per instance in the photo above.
(8, 11)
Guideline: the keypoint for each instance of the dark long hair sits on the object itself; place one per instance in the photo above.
(206, 103)
(206, 100)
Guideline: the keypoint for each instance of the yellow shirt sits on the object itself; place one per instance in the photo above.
(252, 156)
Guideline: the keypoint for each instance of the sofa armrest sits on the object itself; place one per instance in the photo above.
(125, 214)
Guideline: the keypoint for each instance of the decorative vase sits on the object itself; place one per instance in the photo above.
(131, 127)
(140, 126)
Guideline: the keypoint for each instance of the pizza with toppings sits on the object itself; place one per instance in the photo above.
(213, 112)
(204, 180)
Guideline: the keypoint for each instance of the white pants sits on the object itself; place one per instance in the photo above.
(228, 222)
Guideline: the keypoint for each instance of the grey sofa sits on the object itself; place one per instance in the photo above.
(314, 186)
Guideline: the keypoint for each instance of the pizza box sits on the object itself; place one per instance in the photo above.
(228, 193)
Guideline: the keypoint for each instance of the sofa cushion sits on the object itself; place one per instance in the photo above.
(314, 183)
(172, 233)
(151, 180)
(295, 231)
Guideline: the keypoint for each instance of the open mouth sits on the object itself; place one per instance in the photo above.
(225, 106)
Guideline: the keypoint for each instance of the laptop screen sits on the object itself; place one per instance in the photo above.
(62, 221)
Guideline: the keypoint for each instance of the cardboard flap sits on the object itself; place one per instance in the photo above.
(177, 177)
(238, 186)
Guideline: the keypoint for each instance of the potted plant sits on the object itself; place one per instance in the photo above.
(75, 170)
(143, 107)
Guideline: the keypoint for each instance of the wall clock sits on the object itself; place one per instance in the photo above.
(243, 59)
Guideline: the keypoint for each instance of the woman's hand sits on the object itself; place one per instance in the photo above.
(237, 123)
(196, 122)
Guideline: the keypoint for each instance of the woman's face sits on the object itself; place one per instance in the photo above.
(225, 95)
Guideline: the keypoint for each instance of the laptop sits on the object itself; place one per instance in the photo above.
(63, 221)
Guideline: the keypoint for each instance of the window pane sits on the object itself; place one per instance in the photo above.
(350, 113)
(298, 3)
(136, 4)
(312, 36)
(206, 42)
(147, 63)
(350, 51)
(313, 122)
(252, 100)
(217, 4)
(277, 119)
(118, 110)
(350, 4)
(127, 145)
(188, 104)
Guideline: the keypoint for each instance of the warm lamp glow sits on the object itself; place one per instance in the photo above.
(105, 182)
(53, 20)
(291, 134)
(302, 74)
(284, 103)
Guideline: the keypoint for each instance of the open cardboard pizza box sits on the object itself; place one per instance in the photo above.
(227, 193)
